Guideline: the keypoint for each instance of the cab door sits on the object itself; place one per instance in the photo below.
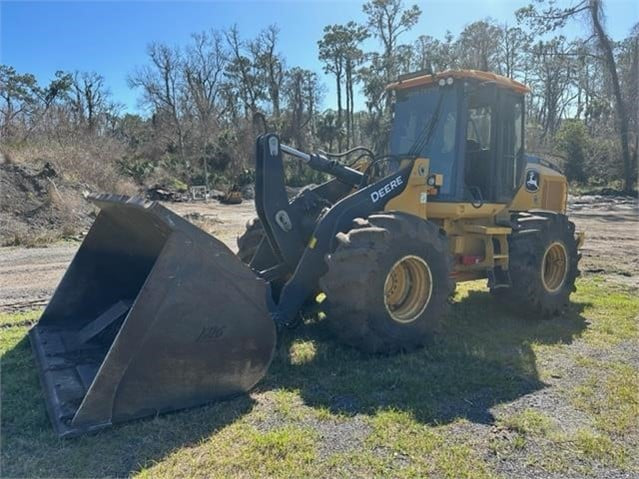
(510, 146)
(480, 146)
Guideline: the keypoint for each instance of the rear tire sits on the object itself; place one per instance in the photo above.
(247, 243)
(387, 283)
(543, 264)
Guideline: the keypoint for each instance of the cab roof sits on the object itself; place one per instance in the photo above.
(427, 79)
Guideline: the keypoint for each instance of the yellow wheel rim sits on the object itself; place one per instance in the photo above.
(554, 267)
(407, 289)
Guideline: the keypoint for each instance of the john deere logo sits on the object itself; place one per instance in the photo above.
(386, 189)
(532, 181)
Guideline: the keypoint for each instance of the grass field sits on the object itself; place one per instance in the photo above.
(495, 396)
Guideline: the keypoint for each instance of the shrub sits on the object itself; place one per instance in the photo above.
(572, 141)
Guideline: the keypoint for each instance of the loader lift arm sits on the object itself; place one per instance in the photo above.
(282, 220)
(299, 253)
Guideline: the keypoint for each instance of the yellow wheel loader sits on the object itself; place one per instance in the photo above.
(155, 315)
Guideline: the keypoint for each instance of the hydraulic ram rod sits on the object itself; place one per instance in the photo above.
(321, 163)
(305, 157)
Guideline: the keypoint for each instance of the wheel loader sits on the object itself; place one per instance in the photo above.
(155, 315)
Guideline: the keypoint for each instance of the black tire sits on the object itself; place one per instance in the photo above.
(247, 243)
(536, 237)
(356, 305)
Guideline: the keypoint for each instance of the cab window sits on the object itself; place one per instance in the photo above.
(479, 126)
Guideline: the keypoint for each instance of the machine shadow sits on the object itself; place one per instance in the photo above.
(483, 357)
(31, 448)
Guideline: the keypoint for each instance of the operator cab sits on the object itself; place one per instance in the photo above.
(470, 125)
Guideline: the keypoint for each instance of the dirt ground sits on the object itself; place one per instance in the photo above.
(28, 276)
(611, 225)
(38, 206)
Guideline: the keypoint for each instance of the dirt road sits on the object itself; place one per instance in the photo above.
(28, 276)
(611, 225)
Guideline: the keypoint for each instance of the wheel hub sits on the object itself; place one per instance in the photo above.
(554, 267)
(408, 288)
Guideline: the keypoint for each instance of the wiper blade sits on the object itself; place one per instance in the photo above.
(423, 140)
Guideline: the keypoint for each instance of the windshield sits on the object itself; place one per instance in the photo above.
(414, 110)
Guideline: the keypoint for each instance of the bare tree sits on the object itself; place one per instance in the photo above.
(630, 59)
(552, 17)
(331, 53)
(513, 44)
(271, 63)
(596, 14)
(241, 71)
(162, 88)
(89, 99)
(204, 66)
(387, 20)
(554, 77)
(19, 94)
(479, 46)
(302, 91)
(426, 49)
(432, 55)
(24, 103)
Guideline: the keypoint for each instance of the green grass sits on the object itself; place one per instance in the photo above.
(455, 409)
(17, 320)
(242, 450)
(613, 314)
(528, 421)
(610, 396)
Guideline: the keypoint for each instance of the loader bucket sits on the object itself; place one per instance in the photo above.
(152, 315)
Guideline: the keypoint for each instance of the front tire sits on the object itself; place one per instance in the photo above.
(387, 283)
(249, 241)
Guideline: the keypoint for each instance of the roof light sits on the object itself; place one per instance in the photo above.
(441, 82)
(449, 81)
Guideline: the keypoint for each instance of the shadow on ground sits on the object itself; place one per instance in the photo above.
(484, 357)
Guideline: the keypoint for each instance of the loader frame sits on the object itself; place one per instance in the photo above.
(296, 250)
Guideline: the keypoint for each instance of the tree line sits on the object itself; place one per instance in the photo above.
(206, 101)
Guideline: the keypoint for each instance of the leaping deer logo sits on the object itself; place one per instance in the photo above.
(532, 180)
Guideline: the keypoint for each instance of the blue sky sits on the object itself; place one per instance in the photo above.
(111, 37)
